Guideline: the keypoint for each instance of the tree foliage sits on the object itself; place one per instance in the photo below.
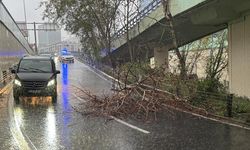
(92, 20)
(181, 57)
(218, 59)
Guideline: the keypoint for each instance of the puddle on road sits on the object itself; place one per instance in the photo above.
(36, 101)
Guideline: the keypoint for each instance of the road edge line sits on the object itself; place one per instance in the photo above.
(119, 120)
(129, 125)
(79, 98)
(15, 130)
(27, 143)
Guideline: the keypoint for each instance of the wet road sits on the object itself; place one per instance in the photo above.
(7, 141)
(57, 127)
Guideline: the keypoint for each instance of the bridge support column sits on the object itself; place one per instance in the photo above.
(161, 56)
(239, 56)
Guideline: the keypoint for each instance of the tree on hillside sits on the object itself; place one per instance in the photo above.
(169, 21)
(192, 53)
(217, 61)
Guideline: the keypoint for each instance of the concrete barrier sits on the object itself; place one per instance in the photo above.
(13, 44)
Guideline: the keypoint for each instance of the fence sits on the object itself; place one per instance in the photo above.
(137, 18)
(218, 103)
(6, 78)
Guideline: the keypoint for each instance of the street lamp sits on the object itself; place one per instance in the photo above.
(24, 9)
(25, 17)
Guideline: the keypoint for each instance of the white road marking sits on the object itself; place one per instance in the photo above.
(129, 125)
(104, 74)
(18, 126)
(15, 129)
(90, 69)
(33, 146)
(118, 120)
(194, 114)
(79, 98)
(15, 139)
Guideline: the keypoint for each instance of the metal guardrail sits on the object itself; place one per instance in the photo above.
(141, 15)
(5, 81)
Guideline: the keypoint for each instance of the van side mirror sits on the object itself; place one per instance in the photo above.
(13, 71)
(57, 72)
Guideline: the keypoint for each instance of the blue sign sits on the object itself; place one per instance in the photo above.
(64, 51)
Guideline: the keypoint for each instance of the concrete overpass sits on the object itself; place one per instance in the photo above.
(194, 19)
(13, 44)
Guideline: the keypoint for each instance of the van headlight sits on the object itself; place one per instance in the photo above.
(17, 82)
(51, 82)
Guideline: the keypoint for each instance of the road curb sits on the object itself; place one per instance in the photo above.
(208, 116)
(213, 117)
(17, 133)
(14, 130)
(108, 77)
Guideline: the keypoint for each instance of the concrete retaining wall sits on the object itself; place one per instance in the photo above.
(13, 44)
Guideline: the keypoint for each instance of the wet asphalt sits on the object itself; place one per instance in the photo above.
(59, 127)
(7, 141)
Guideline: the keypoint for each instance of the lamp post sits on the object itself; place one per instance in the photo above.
(25, 18)
(24, 9)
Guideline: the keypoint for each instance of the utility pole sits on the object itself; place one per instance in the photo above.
(35, 38)
(43, 29)
(24, 9)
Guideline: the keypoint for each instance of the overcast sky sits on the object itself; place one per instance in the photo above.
(33, 12)
(15, 7)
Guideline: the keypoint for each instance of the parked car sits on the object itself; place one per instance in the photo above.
(65, 58)
(35, 76)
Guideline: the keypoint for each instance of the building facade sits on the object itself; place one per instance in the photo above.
(48, 34)
(71, 46)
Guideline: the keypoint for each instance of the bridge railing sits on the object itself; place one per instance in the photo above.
(9, 22)
(136, 19)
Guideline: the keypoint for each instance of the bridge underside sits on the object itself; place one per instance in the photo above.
(203, 19)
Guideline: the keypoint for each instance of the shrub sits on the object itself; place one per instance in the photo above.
(241, 105)
(210, 94)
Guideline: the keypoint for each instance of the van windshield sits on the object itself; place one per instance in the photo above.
(35, 65)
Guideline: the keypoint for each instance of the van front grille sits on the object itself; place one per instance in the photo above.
(34, 84)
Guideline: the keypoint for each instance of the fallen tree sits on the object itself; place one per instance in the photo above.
(137, 100)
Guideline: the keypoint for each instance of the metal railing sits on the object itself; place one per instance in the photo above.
(136, 19)
(7, 77)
